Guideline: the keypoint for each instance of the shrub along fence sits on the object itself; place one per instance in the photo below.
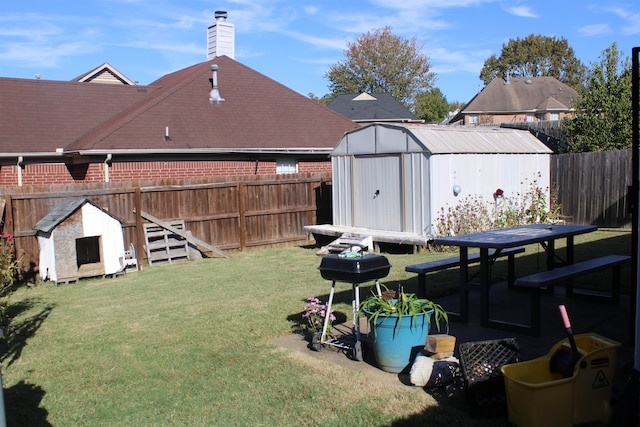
(228, 213)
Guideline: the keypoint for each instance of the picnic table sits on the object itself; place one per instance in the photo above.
(501, 239)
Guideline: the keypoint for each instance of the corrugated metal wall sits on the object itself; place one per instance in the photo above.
(480, 175)
(414, 185)
(378, 201)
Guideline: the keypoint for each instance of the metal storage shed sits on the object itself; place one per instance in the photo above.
(396, 177)
(79, 239)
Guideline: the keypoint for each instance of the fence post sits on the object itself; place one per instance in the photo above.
(8, 222)
(241, 216)
(139, 231)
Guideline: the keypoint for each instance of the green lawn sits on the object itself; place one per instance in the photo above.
(190, 344)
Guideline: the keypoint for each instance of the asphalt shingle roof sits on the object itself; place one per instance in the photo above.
(522, 95)
(258, 114)
(39, 116)
(375, 107)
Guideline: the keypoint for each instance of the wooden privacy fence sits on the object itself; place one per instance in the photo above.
(247, 211)
(265, 210)
(592, 188)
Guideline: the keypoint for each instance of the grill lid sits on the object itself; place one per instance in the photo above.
(357, 268)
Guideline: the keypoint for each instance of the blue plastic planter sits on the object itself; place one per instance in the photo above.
(395, 343)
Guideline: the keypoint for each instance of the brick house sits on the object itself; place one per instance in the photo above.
(57, 132)
(528, 99)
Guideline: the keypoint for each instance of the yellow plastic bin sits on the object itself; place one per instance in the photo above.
(538, 397)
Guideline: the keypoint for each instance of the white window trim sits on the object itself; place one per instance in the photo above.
(286, 166)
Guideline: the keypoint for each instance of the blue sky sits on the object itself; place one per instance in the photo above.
(294, 41)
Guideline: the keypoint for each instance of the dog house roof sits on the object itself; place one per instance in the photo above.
(62, 212)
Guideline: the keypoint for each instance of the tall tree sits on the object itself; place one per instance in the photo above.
(535, 56)
(602, 113)
(325, 100)
(431, 106)
(379, 61)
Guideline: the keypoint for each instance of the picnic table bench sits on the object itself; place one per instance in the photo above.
(537, 282)
(442, 264)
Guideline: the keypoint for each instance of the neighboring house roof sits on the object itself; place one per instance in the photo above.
(258, 115)
(521, 95)
(444, 140)
(105, 74)
(40, 116)
(366, 107)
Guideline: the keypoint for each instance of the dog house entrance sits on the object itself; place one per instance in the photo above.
(88, 250)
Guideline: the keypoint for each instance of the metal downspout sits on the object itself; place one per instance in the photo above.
(107, 164)
(20, 165)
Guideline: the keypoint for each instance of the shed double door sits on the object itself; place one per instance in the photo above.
(377, 192)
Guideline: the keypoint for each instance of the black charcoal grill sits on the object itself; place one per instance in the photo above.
(354, 268)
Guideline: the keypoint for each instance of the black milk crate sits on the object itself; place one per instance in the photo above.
(481, 363)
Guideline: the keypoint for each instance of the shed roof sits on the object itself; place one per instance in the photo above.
(443, 140)
(61, 212)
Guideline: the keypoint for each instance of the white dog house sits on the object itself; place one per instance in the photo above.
(396, 177)
(79, 239)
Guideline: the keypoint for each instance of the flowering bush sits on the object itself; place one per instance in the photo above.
(473, 214)
(9, 271)
(315, 312)
(469, 216)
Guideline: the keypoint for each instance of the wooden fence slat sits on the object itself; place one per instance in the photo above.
(249, 211)
(592, 187)
(229, 213)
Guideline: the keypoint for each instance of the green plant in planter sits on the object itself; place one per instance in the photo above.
(405, 304)
(400, 325)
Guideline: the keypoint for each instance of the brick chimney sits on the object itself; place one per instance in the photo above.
(220, 37)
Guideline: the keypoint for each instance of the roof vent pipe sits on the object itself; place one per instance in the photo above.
(214, 95)
(220, 15)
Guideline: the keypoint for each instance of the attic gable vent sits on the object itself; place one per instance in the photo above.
(364, 96)
(214, 95)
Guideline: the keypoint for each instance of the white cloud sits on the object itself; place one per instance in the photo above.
(35, 54)
(632, 19)
(164, 46)
(445, 60)
(522, 11)
(320, 42)
(428, 4)
(44, 40)
(633, 27)
(595, 30)
(311, 10)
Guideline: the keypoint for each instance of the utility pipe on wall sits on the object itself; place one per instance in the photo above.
(20, 166)
(107, 164)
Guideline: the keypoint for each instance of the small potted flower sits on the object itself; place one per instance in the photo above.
(399, 322)
(315, 312)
